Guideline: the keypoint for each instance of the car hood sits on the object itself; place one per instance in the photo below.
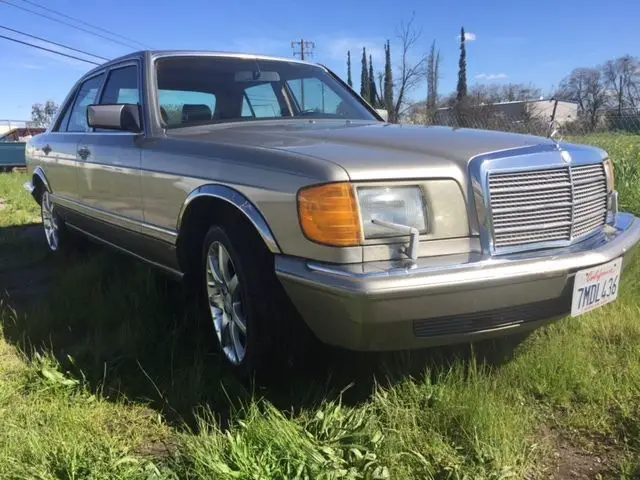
(368, 151)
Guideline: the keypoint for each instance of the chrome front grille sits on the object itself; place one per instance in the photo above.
(589, 199)
(554, 204)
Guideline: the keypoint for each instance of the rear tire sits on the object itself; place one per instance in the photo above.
(52, 224)
(57, 235)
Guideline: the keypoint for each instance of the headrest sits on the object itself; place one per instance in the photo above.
(195, 113)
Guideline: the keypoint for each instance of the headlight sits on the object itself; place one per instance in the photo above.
(401, 205)
(340, 214)
(608, 169)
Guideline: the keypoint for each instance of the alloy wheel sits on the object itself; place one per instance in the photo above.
(225, 303)
(50, 222)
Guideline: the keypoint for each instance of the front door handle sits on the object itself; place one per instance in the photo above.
(84, 153)
(46, 149)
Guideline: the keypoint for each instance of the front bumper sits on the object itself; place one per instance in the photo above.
(395, 305)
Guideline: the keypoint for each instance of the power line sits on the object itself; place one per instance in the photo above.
(66, 23)
(48, 50)
(35, 4)
(54, 43)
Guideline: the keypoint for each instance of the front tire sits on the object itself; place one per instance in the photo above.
(243, 299)
(226, 301)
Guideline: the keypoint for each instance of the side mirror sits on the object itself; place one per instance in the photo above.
(383, 113)
(125, 117)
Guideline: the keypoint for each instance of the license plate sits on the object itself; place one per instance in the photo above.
(595, 287)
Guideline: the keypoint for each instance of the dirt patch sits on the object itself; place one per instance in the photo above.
(580, 458)
(158, 450)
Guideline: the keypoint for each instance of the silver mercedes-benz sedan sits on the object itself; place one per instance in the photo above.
(286, 198)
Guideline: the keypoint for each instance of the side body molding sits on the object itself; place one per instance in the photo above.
(238, 200)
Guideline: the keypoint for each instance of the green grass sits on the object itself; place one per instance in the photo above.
(624, 150)
(54, 427)
(113, 375)
(16, 206)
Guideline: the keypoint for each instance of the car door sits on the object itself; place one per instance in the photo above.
(109, 160)
(57, 149)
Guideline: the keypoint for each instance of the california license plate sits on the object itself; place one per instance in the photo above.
(595, 287)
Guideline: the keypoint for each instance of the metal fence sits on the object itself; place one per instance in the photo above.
(627, 122)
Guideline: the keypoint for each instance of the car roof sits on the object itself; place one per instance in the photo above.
(139, 55)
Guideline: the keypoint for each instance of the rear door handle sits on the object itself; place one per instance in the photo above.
(46, 149)
(84, 153)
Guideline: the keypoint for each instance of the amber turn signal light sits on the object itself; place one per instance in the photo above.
(329, 214)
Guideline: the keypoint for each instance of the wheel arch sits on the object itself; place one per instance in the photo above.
(39, 184)
(231, 199)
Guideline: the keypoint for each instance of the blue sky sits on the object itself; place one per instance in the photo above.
(515, 41)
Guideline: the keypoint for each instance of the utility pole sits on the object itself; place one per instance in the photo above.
(304, 49)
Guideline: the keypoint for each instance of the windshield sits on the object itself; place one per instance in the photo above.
(203, 90)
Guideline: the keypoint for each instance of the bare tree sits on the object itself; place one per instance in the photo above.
(411, 71)
(481, 93)
(622, 77)
(494, 93)
(512, 92)
(586, 87)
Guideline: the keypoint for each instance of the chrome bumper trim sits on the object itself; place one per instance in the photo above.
(456, 271)
(611, 243)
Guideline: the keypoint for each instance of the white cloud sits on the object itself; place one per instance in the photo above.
(491, 76)
(468, 37)
(31, 66)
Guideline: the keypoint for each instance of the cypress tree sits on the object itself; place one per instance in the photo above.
(462, 69)
(431, 60)
(436, 78)
(373, 90)
(388, 80)
(365, 85)
(349, 81)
